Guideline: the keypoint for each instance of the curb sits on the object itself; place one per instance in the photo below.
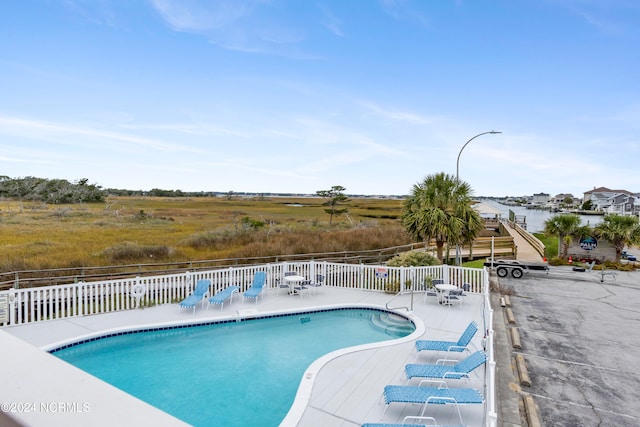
(526, 402)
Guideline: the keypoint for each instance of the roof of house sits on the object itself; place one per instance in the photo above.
(606, 190)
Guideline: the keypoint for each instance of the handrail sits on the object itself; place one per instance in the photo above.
(531, 239)
(398, 308)
(57, 276)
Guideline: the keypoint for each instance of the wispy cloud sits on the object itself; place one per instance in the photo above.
(197, 16)
(398, 115)
(611, 18)
(404, 11)
(97, 12)
(69, 134)
(22, 160)
(330, 21)
(251, 26)
(188, 129)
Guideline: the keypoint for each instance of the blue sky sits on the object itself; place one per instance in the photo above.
(297, 96)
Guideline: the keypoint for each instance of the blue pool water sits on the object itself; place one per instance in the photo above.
(229, 374)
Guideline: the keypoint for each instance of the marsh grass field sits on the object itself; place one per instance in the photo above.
(129, 230)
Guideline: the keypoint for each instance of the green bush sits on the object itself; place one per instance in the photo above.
(413, 258)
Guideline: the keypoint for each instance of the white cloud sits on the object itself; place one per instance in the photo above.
(78, 135)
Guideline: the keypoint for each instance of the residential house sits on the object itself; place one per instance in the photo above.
(540, 199)
(612, 201)
(559, 200)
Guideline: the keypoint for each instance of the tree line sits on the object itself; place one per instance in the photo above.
(54, 191)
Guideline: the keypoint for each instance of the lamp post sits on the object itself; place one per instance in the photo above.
(467, 143)
(458, 255)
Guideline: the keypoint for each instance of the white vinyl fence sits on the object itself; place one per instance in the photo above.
(27, 305)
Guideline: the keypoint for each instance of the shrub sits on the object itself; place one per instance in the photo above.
(557, 261)
(131, 251)
(207, 239)
(413, 258)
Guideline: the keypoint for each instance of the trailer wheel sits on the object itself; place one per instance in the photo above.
(502, 272)
(516, 273)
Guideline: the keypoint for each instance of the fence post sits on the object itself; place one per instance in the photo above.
(12, 306)
(312, 271)
(17, 281)
(413, 284)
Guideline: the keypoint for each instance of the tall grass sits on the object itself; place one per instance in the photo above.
(128, 230)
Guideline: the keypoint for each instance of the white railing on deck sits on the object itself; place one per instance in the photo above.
(491, 410)
(27, 305)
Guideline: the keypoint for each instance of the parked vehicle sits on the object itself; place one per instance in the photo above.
(628, 256)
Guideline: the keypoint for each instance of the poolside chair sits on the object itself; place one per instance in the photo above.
(283, 284)
(449, 346)
(199, 294)
(224, 295)
(453, 297)
(415, 422)
(432, 396)
(431, 292)
(255, 290)
(441, 371)
(314, 284)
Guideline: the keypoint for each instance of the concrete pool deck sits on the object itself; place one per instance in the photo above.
(345, 390)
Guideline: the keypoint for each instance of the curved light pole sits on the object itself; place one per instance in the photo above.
(458, 254)
(467, 143)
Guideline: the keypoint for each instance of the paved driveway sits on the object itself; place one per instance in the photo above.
(581, 341)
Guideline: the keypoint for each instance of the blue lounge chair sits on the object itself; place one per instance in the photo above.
(199, 294)
(415, 422)
(432, 396)
(222, 296)
(458, 371)
(457, 346)
(255, 290)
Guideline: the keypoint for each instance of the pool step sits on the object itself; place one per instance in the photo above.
(392, 324)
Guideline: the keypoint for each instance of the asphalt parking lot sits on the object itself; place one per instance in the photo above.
(581, 342)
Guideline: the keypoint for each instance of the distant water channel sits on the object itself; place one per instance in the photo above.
(535, 218)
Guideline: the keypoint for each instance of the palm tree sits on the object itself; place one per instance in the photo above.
(565, 226)
(620, 230)
(439, 208)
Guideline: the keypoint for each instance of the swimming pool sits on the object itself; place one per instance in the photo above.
(231, 373)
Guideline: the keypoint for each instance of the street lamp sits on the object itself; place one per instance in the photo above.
(467, 143)
(458, 254)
